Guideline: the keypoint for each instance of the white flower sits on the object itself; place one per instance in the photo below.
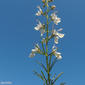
(54, 49)
(60, 29)
(39, 26)
(55, 53)
(37, 46)
(44, 40)
(39, 11)
(54, 32)
(55, 18)
(32, 55)
(58, 55)
(53, 7)
(35, 50)
(57, 35)
(60, 35)
(56, 38)
(42, 31)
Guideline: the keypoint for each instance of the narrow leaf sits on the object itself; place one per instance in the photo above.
(45, 80)
(53, 63)
(41, 65)
(38, 75)
(43, 75)
(43, 47)
(57, 77)
(54, 76)
(63, 83)
(50, 60)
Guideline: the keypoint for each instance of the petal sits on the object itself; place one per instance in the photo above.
(33, 50)
(42, 31)
(39, 8)
(54, 32)
(60, 35)
(38, 13)
(59, 58)
(60, 29)
(32, 55)
(56, 40)
(58, 20)
(37, 28)
(37, 46)
(55, 21)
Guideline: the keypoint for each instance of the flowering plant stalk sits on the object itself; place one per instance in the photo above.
(48, 35)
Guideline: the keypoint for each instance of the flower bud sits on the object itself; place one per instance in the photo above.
(43, 25)
(43, 1)
(53, 7)
(41, 12)
(50, 0)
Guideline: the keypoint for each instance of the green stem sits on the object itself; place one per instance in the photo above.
(47, 46)
(50, 60)
(43, 47)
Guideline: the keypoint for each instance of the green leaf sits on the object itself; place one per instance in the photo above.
(45, 80)
(43, 47)
(53, 63)
(44, 84)
(50, 60)
(54, 76)
(63, 83)
(41, 65)
(43, 75)
(38, 75)
(57, 77)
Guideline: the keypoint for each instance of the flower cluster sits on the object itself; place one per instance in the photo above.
(47, 35)
(42, 28)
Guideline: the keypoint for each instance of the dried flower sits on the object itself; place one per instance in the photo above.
(53, 7)
(50, 0)
(43, 1)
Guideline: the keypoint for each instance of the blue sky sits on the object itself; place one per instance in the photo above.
(17, 34)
